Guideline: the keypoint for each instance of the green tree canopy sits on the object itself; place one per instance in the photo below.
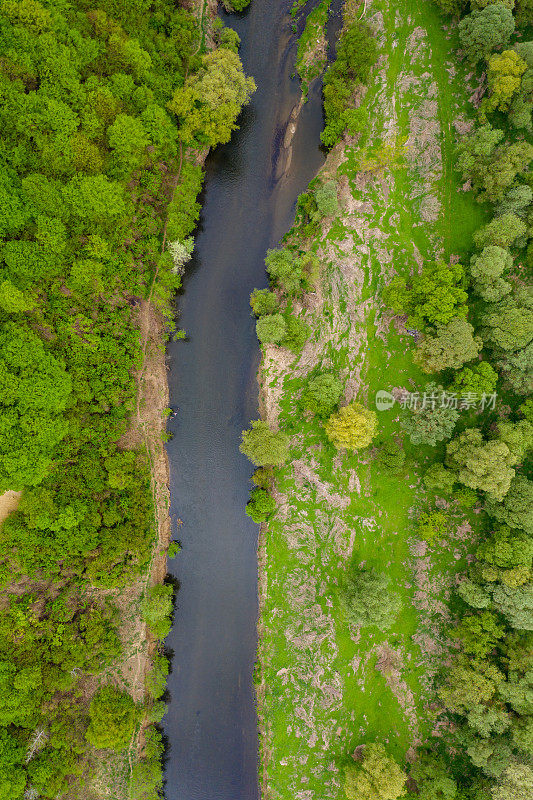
(502, 231)
(367, 599)
(128, 141)
(112, 718)
(35, 392)
(261, 505)
(263, 446)
(431, 421)
(517, 369)
(321, 394)
(263, 302)
(487, 269)
(504, 75)
(435, 295)
(433, 777)
(376, 777)
(210, 101)
(12, 772)
(478, 379)
(516, 783)
(508, 325)
(293, 273)
(516, 510)
(492, 167)
(483, 30)
(506, 556)
(452, 345)
(481, 464)
(352, 427)
(271, 328)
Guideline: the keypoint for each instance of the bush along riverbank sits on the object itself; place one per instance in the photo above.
(393, 480)
(106, 115)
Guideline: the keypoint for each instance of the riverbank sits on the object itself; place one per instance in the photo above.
(324, 687)
(147, 432)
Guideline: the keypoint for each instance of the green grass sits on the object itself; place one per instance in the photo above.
(321, 693)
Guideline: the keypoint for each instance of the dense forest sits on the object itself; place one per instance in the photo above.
(473, 323)
(106, 109)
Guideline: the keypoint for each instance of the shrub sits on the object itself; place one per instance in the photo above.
(157, 609)
(352, 426)
(432, 525)
(356, 53)
(291, 272)
(391, 456)
(439, 479)
(326, 199)
(183, 211)
(296, 333)
(146, 781)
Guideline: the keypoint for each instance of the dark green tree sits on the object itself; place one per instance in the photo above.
(367, 599)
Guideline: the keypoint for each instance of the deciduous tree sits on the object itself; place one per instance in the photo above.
(483, 30)
(452, 345)
(432, 421)
(376, 777)
(352, 427)
(435, 295)
(367, 599)
(322, 394)
(487, 269)
(516, 508)
(263, 446)
(211, 99)
(481, 464)
(112, 718)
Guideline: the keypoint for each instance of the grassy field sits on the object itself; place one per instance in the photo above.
(323, 688)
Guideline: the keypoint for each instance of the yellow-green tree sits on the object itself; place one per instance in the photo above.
(209, 102)
(352, 426)
(504, 74)
(376, 777)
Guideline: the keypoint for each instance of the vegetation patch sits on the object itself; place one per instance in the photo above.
(396, 568)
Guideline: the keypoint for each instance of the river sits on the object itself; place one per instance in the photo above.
(248, 203)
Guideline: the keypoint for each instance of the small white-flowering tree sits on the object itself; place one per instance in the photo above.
(181, 253)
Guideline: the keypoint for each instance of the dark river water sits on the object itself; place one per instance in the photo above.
(248, 203)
